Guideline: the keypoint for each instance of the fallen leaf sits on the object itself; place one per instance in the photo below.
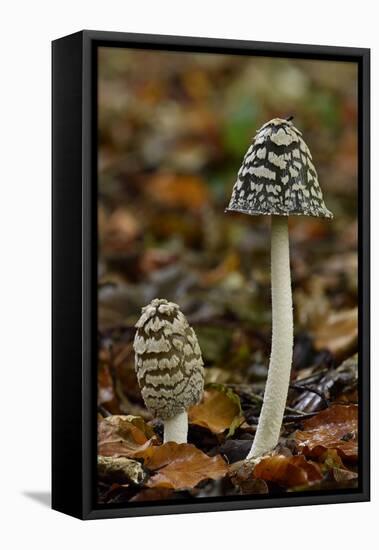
(106, 394)
(338, 333)
(332, 428)
(153, 494)
(178, 222)
(215, 375)
(241, 475)
(120, 469)
(331, 459)
(219, 410)
(342, 379)
(124, 436)
(312, 304)
(348, 396)
(115, 493)
(230, 264)
(236, 449)
(156, 258)
(312, 229)
(332, 463)
(120, 232)
(289, 471)
(181, 466)
(179, 191)
(343, 474)
(101, 221)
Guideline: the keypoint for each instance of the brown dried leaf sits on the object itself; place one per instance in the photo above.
(333, 465)
(343, 474)
(156, 258)
(120, 469)
(338, 334)
(289, 471)
(181, 466)
(331, 459)
(241, 475)
(179, 191)
(153, 494)
(121, 230)
(333, 428)
(219, 410)
(106, 394)
(230, 264)
(124, 436)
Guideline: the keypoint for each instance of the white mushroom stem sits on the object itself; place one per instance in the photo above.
(275, 397)
(176, 428)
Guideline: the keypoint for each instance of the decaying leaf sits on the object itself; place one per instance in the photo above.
(332, 463)
(120, 469)
(219, 410)
(154, 259)
(181, 466)
(106, 394)
(332, 428)
(230, 264)
(338, 334)
(178, 191)
(153, 494)
(289, 471)
(241, 475)
(312, 305)
(124, 436)
(236, 449)
(343, 474)
(121, 230)
(168, 155)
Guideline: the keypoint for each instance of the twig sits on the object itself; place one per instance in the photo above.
(289, 418)
(311, 389)
(259, 399)
(103, 411)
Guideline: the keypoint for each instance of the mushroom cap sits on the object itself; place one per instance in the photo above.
(277, 176)
(168, 360)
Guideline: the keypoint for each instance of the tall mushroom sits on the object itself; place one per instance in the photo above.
(169, 366)
(277, 178)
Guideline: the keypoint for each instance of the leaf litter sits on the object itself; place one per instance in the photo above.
(168, 157)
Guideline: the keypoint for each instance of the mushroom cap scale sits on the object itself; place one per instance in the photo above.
(277, 176)
(168, 360)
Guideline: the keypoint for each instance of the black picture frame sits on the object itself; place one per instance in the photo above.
(74, 270)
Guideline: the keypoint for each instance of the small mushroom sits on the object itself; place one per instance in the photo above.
(278, 178)
(169, 366)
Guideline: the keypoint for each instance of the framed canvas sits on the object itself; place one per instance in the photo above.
(210, 275)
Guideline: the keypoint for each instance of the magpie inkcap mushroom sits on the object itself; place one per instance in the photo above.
(169, 366)
(278, 178)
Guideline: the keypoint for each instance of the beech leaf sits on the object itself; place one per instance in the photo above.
(219, 410)
(339, 333)
(120, 435)
(120, 469)
(332, 428)
(185, 191)
(289, 471)
(181, 466)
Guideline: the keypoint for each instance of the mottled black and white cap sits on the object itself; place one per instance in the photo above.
(277, 176)
(168, 360)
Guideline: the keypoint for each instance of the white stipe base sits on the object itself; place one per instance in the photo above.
(176, 428)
